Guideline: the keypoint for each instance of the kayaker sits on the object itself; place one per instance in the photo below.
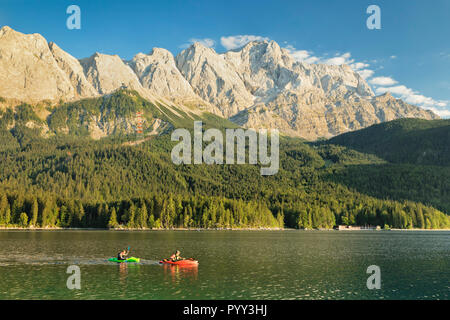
(123, 255)
(176, 256)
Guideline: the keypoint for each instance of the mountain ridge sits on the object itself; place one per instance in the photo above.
(257, 86)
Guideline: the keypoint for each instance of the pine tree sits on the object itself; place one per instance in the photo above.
(280, 219)
(303, 219)
(158, 224)
(80, 213)
(420, 218)
(186, 219)
(205, 218)
(7, 215)
(112, 223)
(171, 212)
(17, 209)
(45, 214)
(131, 216)
(142, 215)
(63, 217)
(23, 220)
(34, 212)
(151, 221)
(3, 207)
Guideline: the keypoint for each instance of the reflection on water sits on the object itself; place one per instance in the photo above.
(180, 273)
(125, 268)
(123, 271)
(233, 265)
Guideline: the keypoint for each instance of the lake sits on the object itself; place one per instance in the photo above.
(233, 264)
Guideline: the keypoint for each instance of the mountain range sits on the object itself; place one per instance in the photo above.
(53, 174)
(257, 86)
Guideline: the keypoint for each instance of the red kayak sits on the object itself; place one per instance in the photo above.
(185, 262)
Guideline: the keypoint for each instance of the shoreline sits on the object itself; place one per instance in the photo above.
(144, 229)
(199, 229)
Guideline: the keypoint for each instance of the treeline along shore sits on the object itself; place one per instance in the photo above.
(157, 212)
(73, 181)
(200, 212)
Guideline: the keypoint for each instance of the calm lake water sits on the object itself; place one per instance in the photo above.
(233, 264)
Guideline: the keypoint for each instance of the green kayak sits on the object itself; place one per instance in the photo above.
(131, 259)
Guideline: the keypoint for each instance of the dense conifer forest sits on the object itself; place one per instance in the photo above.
(394, 175)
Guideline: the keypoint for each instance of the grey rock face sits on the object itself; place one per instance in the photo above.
(257, 86)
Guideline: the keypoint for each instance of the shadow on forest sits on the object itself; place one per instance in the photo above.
(422, 146)
(403, 182)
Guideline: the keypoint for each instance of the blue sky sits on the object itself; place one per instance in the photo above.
(409, 56)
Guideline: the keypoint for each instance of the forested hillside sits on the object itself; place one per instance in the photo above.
(67, 179)
(415, 141)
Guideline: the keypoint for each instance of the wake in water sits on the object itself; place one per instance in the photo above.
(45, 260)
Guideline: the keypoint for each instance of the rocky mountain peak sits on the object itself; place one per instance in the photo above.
(386, 96)
(28, 70)
(257, 85)
(158, 72)
(74, 71)
(199, 46)
(4, 30)
(214, 79)
(107, 73)
(163, 53)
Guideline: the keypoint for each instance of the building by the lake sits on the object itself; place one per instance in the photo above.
(351, 228)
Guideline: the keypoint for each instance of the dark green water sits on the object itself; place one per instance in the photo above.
(233, 265)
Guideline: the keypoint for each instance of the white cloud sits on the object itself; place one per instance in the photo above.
(340, 59)
(206, 42)
(384, 84)
(234, 42)
(366, 73)
(383, 81)
(412, 97)
(302, 55)
(359, 65)
(400, 90)
(443, 113)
